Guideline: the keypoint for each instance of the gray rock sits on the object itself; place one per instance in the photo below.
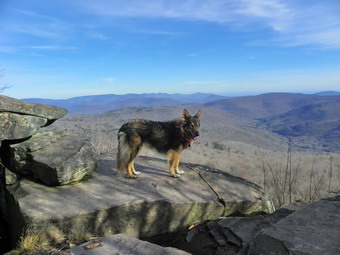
(122, 244)
(10, 177)
(312, 230)
(244, 229)
(232, 235)
(20, 119)
(16, 126)
(153, 204)
(55, 158)
(8, 104)
(237, 194)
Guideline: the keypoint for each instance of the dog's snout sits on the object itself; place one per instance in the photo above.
(197, 133)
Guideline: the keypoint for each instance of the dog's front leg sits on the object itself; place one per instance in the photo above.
(177, 164)
(173, 159)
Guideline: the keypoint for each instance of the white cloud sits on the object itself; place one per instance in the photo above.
(295, 22)
(42, 26)
(35, 30)
(156, 32)
(49, 47)
(7, 49)
(109, 79)
(196, 54)
(96, 35)
(263, 8)
(45, 47)
(203, 83)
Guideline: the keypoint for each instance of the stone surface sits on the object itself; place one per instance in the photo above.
(227, 235)
(19, 119)
(15, 126)
(235, 197)
(122, 244)
(8, 104)
(153, 204)
(55, 158)
(312, 230)
(10, 177)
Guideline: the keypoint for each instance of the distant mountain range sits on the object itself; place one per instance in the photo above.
(265, 105)
(104, 103)
(245, 106)
(328, 93)
(307, 118)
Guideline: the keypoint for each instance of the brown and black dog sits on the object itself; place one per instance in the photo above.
(169, 137)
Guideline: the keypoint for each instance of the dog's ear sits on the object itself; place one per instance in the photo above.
(198, 114)
(186, 114)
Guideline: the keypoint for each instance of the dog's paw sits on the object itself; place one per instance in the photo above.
(132, 176)
(179, 171)
(136, 173)
(176, 176)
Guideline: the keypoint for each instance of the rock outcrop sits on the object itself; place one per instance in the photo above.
(55, 158)
(122, 244)
(311, 230)
(237, 232)
(225, 235)
(19, 120)
(153, 204)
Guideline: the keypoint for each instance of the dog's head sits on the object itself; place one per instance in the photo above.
(191, 125)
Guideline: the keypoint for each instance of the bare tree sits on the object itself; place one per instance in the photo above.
(3, 85)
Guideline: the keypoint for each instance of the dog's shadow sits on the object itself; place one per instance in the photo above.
(107, 167)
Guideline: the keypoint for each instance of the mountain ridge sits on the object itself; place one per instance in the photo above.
(265, 105)
(97, 104)
(257, 106)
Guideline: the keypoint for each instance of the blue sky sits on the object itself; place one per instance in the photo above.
(64, 48)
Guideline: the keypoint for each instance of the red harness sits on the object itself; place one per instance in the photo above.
(181, 133)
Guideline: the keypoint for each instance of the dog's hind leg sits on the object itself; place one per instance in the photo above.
(139, 147)
(123, 154)
(130, 170)
(133, 169)
(136, 145)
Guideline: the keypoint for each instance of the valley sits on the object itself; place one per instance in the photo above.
(251, 146)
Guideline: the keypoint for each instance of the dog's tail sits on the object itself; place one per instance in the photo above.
(123, 154)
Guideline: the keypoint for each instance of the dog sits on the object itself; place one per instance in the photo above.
(168, 137)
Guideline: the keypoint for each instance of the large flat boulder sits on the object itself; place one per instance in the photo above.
(153, 204)
(15, 126)
(312, 230)
(8, 104)
(123, 244)
(19, 119)
(54, 158)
